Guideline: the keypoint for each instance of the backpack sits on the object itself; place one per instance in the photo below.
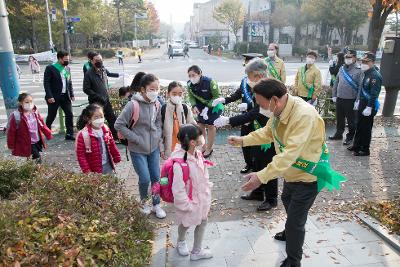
(17, 117)
(164, 109)
(132, 123)
(167, 172)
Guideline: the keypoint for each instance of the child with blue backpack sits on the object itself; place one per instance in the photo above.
(192, 199)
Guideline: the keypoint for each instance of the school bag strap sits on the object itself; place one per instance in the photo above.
(86, 140)
(185, 171)
(164, 110)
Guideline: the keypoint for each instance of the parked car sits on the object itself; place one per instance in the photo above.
(177, 50)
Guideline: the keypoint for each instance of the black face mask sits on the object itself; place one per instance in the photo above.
(99, 64)
(65, 63)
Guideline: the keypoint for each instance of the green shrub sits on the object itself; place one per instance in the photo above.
(13, 176)
(68, 219)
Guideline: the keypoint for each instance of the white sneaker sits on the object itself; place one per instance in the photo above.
(145, 209)
(202, 254)
(160, 213)
(182, 248)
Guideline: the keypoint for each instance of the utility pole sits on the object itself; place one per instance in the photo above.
(67, 46)
(8, 70)
(134, 18)
(49, 25)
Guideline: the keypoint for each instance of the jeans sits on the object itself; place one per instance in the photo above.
(147, 167)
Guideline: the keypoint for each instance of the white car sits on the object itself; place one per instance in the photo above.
(177, 50)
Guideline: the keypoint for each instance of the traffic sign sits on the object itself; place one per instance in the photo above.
(53, 10)
(75, 19)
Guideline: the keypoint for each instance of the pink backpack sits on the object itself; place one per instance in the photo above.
(167, 174)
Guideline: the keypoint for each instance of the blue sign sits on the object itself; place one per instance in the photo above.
(53, 10)
(75, 19)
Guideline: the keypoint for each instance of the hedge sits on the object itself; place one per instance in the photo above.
(62, 218)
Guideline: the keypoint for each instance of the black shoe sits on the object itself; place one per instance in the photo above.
(281, 236)
(245, 169)
(361, 153)
(335, 137)
(347, 142)
(267, 205)
(352, 148)
(286, 263)
(69, 137)
(253, 196)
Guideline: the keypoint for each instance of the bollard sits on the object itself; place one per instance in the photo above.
(61, 118)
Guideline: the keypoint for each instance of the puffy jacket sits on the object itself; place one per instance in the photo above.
(18, 136)
(92, 161)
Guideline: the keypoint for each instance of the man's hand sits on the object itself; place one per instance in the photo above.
(235, 141)
(73, 98)
(51, 100)
(242, 107)
(221, 121)
(334, 99)
(367, 111)
(218, 101)
(252, 183)
(195, 111)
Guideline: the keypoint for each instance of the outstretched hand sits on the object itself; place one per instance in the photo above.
(252, 183)
(235, 140)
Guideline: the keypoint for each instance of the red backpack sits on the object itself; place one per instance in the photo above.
(167, 174)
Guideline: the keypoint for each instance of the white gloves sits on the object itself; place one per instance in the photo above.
(221, 121)
(218, 101)
(204, 113)
(242, 107)
(367, 111)
(334, 99)
(356, 104)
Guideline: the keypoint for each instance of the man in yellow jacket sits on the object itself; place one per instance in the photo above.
(276, 66)
(298, 132)
(308, 79)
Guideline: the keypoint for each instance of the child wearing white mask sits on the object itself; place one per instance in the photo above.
(95, 147)
(26, 130)
(144, 137)
(174, 114)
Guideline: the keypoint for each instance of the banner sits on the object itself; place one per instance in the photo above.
(43, 56)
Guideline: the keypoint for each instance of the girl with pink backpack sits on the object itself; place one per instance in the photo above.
(192, 199)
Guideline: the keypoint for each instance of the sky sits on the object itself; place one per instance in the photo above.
(181, 10)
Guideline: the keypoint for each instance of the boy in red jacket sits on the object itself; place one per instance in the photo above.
(26, 129)
(95, 147)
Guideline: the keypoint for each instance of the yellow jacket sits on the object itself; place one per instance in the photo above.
(302, 132)
(313, 77)
(280, 68)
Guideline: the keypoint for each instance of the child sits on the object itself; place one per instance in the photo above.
(25, 130)
(34, 67)
(191, 212)
(174, 114)
(144, 139)
(97, 153)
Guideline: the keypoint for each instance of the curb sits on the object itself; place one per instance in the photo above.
(374, 225)
(159, 253)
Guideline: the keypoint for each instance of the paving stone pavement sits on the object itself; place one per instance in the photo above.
(369, 178)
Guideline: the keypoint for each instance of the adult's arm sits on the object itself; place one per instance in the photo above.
(246, 117)
(112, 74)
(235, 96)
(47, 78)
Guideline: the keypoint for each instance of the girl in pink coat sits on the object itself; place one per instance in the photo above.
(191, 212)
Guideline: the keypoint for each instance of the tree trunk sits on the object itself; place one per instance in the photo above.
(347, 36)
(379, 16)
(271, 27)
(324, 35)
(120, 24)
(33, 37)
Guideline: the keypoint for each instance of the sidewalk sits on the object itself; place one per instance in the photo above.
(250, 242)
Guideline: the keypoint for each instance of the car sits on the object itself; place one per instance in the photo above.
(177, 50)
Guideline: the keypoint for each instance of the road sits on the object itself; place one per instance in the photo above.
(155, 61)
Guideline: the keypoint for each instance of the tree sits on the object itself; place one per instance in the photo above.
(231, 13)
(380, 11)
(131, 7)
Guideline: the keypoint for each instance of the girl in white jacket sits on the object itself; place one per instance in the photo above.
(174, 115)
(191, 211)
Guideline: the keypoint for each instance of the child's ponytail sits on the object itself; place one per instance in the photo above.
(187, 133)
(86, 115)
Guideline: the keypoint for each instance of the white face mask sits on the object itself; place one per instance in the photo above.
(271, 53)
(251, 84)
(310, 60)
(152, 95)
(348, 61)
(98, 123)
(195, 80)
(27, 106)
(177, 100)
(365, 67)
(266, 112)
